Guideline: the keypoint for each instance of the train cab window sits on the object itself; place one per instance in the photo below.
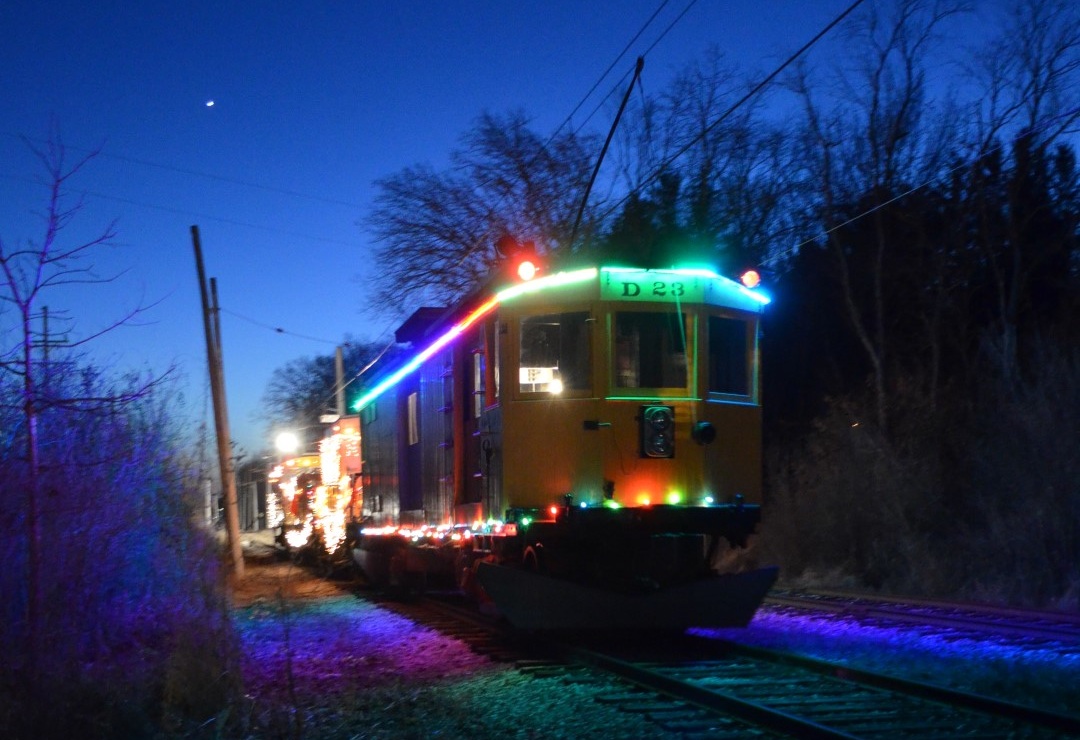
(555, 354)
(650, 350)
(729, 359)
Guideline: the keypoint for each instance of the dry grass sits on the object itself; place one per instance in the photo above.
(269, 578)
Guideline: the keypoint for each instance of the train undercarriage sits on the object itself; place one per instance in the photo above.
(584, 569)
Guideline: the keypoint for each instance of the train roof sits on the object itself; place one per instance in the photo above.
(429, 329)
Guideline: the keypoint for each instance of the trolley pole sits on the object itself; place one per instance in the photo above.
(212, 328)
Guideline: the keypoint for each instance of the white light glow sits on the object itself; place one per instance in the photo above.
(287, 442)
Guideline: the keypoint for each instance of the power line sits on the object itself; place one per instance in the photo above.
(544, 146)
(278, 329)
(738, 104)
(197, 173)
(651, 46)
(607, 71)
(191, 214)
(937, 178)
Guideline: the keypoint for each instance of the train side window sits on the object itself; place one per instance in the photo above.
(492, 341)
(477, 383)
(650, 350)
(555, 353)
(729, 366)
(413, 420)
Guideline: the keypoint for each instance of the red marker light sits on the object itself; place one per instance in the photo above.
(526, 269)
(751, 279)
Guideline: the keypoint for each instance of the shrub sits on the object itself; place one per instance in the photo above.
(132, 598)
(976, 499)
(1023, 528)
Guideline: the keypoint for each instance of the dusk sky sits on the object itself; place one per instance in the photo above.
(312, 102)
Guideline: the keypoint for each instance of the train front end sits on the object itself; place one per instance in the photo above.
(630, 445)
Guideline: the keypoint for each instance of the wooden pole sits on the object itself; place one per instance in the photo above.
(339, 381)
(212, 328)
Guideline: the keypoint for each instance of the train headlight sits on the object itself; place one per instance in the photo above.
(657, 431)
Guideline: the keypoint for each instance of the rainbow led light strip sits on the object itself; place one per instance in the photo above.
(507, 294)
(549, 281)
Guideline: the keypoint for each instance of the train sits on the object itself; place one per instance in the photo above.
(576, 448)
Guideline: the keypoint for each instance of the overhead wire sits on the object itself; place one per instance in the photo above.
(278, 329)
(103, 153)
(777, 256)
(202, 216)
(282, 331)
(611, 66)
(371, 363)
(191, 214)
(618, 85)
(735, 106)
(543, 147)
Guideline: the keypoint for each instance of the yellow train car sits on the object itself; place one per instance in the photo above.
(590, 437)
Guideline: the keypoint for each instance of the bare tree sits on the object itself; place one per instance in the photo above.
(437, 229)
(1029, 79)
(302, 390)
(865, 149)
(30, 272)
(697, 175)
(1027, 74)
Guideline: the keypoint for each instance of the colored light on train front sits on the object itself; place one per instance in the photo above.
(527, 269)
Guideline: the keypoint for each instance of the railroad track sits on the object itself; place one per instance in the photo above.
(806, 697)
(691, 686)
(1023, 625)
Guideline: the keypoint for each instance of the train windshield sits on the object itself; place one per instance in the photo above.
(729, 356)
(555, 353)
(650, 350)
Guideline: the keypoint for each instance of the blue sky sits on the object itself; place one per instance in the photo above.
(313, 102)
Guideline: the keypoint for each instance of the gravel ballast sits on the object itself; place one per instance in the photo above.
(321, 662)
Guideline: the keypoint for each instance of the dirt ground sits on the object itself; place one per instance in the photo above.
(270, 575)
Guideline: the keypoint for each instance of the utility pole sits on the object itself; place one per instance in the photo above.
(48, 341)
(339, 381)
(212, 327)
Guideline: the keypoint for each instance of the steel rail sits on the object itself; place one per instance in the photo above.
(960, 616)
(753, 691)
(952, 697)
